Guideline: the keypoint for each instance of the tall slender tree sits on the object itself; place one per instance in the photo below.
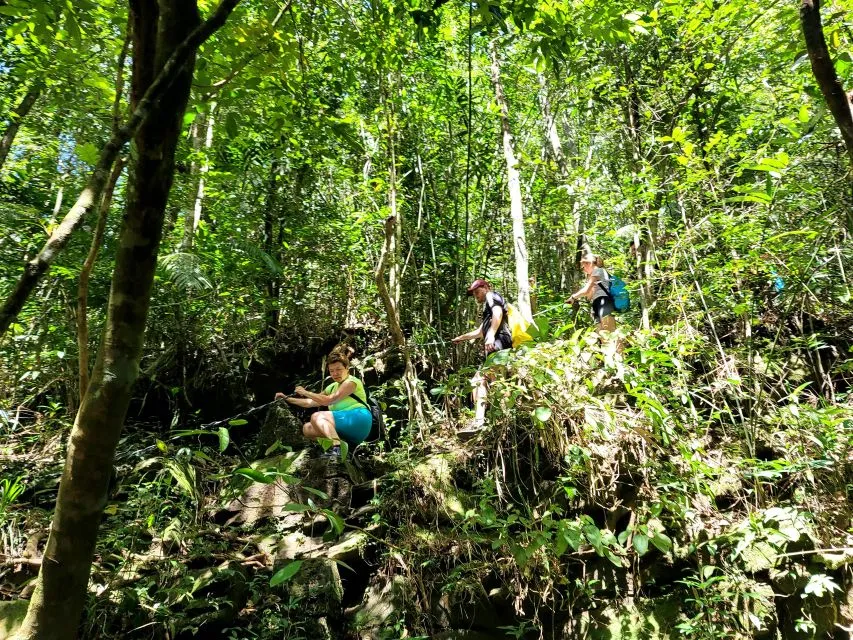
(159, 31)
(516, 208)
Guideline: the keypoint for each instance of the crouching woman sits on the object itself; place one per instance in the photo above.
(347, 419)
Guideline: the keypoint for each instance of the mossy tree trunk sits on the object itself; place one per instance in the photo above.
(159, 30)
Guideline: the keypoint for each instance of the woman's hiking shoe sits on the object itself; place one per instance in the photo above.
(332, 453)
(472, 428)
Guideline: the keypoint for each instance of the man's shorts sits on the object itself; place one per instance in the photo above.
(500, 344)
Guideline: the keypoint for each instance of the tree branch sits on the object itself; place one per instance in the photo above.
(17, 115)
(382, 287)
(217, 86)
(824, 71)
(38, 266)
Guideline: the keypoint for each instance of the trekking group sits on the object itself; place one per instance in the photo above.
(352, 415)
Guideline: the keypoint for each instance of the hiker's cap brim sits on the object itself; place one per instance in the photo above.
(479, 282)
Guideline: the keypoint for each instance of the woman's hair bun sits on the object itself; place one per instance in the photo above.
(344, 350)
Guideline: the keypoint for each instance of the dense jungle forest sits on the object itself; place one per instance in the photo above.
(204, 203)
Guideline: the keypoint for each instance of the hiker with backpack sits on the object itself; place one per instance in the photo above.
(494, 329)
(348, 417)
(597, 291)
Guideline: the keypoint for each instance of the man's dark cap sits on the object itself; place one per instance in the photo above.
(479, 282)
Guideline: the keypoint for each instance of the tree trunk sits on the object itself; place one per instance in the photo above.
(91, 195)
(394, 268)
(60, 594)
(551, 128)
(824, 72)
(550, 118)
(632, 116)
(833, 92)
(645, 236)
(410, 379)
(186, 245)
(20, 112)
(514, 186)
(83, 284)
(191, 222)
(272, 214)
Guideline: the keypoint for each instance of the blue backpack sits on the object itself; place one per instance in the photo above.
(618, 292)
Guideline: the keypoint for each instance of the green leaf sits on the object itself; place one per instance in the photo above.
(254, 474)
(73, 29)
(543, 414)
(297, 507)
(543, 327)
(285, 573)
(593, 535)
(239, 422)
(640, 543)
(662, 542)
(183, 433)
(201, 455)
(345, 565)
(335, 520)
(275, 446)
(571, 534)
(320, 494)
(560, 546)
(231, 126)
(184, 269)
(498, 357)
(614, 559)
(224, 439)
(88, 153)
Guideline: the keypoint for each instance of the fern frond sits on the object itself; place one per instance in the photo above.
(260, 256)
(184, 269)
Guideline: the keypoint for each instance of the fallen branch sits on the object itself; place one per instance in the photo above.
(813, 551)
(11, 562)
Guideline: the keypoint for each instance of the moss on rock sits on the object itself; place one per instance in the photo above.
(12, 613)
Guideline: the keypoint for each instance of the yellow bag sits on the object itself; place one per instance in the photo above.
(517, 326)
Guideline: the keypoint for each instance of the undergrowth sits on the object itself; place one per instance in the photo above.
(609, 475)
(641, 486)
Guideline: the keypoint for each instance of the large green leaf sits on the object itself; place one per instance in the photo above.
(285, 573)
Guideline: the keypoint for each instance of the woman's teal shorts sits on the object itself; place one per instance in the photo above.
(353, 425)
